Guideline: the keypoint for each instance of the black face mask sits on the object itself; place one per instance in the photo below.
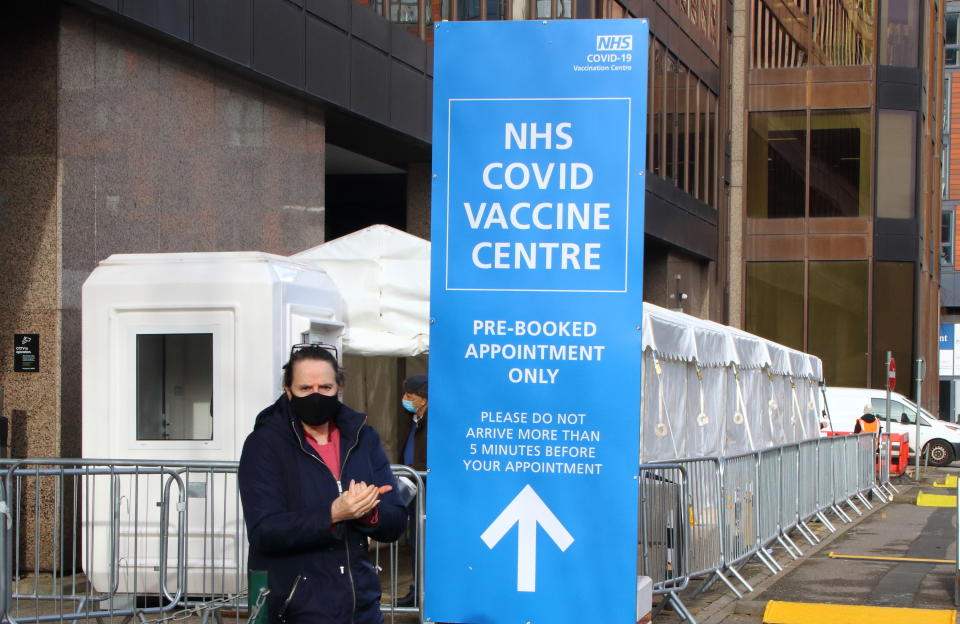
(315, 409)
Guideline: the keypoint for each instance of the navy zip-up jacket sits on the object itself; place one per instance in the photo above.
(318, 573)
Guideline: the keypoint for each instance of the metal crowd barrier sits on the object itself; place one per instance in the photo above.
(807, 479)
(663, 538)
(158, 541)
(394, 564)
(146, 540)
(956, 571)
(739, 507)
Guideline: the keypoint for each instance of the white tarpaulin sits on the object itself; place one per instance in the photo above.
(708, 389)
(383, 275)
(712, 390)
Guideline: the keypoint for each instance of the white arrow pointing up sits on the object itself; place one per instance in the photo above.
(528, 510)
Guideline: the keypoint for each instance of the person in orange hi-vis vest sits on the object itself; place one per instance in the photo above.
(868, 423)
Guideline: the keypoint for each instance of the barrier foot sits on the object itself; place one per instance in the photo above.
(742, 580)
(727, 582)
(681, 608)
(671, 598)
(773, 560)
(889, 485)
(849, 502)
(825, 522)
(81, 607)
(879, 493)
(840, 513)
(863, 499)
(659, 607)
(790, 545)
(768, 561)
(808, 534)
(704, 586)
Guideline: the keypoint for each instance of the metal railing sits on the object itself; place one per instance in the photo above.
(739, 507)
(159, 541)
(146, 540)
(956, 572)
(663, 540)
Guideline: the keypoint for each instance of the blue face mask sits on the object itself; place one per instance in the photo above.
(408, 405)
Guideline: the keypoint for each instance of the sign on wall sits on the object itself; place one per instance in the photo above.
(949, 366)
(536, 304)
(26, 353)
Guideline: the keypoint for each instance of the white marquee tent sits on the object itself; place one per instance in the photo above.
(708, 389)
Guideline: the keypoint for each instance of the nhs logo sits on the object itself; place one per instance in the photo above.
(608, 43)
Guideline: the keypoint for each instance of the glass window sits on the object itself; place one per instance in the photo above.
(899, 32)
(951, 40)
(713, 164)
(896, 164)
(837, 320)
(892, 317)
(670, 108)
(776, 156)
(944, 168)
(703, 144)
(564, 9)
(774, 301)
(899, 412)
(683, 127)
(945, 114)
(840, 150)
(468, 9)
(614, 10)
(655, 132)
(946, 238)
(174, 386)
(405, 12)
(693, 131)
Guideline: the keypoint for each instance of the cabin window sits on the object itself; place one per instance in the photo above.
(174, 386)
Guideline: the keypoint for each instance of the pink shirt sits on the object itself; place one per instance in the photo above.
(329, 452)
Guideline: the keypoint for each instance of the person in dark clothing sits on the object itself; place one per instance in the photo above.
(414, 454)
(315, 485)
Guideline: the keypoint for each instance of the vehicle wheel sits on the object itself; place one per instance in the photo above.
(939, 453)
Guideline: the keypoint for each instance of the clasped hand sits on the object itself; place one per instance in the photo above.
(357, 501)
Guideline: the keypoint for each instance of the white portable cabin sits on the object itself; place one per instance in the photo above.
(180, 352)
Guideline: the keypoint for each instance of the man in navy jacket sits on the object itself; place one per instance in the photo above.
(315, 485)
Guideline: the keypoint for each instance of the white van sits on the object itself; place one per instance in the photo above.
(941, 439)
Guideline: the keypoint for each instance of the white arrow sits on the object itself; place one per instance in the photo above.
(527, 510)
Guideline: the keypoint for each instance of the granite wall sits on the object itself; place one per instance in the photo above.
(111, 142)
(160, 151)
(30, 225)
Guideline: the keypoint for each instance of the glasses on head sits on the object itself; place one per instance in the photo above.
(315, 345)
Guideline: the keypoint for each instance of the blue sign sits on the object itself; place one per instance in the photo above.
(536, 302)
(946, 336)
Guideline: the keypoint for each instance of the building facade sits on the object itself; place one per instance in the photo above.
(839, 193)
(793, 158)
(686, 260)
(818, 185)
(949, 368)
(179, 126)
